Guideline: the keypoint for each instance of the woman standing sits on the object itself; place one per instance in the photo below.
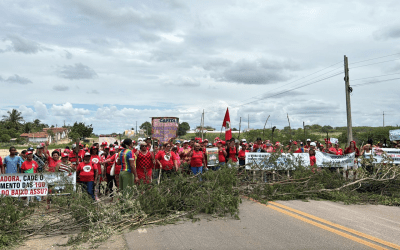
(242, 155)
(221, 156)
(128, 175)
(232, 151)
(167, 161)
(53, 160)
(144, 163)
(88, 174)
(350, 149)
(64, 165)
(109, 162)
(197, 160)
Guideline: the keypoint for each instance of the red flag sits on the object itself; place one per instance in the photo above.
(227, 125)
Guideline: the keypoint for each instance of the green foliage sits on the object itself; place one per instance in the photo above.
(81, 129)
(5, 138)
(183, 127)
(12, 218)
(146, 126)
(13, 119)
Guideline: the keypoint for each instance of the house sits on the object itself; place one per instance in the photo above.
(59, 133)
(37, 137)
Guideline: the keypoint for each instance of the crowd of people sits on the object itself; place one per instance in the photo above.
(122, 166)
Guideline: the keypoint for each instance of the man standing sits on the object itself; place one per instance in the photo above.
(39, 157)
(12, 162)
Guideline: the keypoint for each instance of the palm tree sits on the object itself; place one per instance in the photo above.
(14, 118)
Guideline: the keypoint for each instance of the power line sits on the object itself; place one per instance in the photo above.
(373, 77)
(368, 83)
(375, 58)
(374, 63)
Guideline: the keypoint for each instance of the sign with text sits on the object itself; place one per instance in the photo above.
(270, 161)
(212, 156)
(394, 135)
(22, 185)
(164, 128)
(393, 153)
(325, 159)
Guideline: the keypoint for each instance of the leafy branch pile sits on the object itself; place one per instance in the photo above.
(218, 193)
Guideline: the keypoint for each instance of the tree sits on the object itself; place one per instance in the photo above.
(183, 128)
(146, 126)
(235, 129)
(81, 130)
(13, 119)
(5, 138)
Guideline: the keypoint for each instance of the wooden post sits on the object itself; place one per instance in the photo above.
(304, 130)
(290, 129)
(240, 123)
(348, 104)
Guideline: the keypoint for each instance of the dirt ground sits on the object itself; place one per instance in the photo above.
(54, 242)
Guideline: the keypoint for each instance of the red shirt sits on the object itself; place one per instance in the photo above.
(221, 156)
(333, 150)
(28, 165)
(313, 160)
(157, 166)
(167, 163)
(242, 154)
(197, 159)
(95, 159)
(52, 164)
(298, 151)
(72, 158)
(111, 163)
(232, 154)
(256, 146)
(339, 151)
(86, 171)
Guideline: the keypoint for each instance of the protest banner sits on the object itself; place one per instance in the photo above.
(393, 153)
(282, 161)
(212, 156)
(331, 160)
(394, 135)
(334, 140)
(164, 128)
(22, 185)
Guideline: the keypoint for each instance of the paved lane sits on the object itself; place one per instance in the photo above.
(260, 227)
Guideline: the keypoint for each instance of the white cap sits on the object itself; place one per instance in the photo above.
(87, 154)
(313, 144)
(244, 140)
(308, 139)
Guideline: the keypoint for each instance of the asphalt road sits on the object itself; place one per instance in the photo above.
(278, 226)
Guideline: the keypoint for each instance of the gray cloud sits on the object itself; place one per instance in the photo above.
(68, 54)
(77, 71)
(93, 91)
(60, 88)
(23, 45)
(387, 33)
(258, 72)
(184, 82)
(16, 79)
(107, 13)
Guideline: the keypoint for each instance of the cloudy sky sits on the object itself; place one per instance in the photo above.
(112, 63)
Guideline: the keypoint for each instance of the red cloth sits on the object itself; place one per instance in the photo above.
(111, 163)
(167, 164)
(197, 159)
(144, 161)
(52, 164)
(221, 156)
(339, 151)
(256, 146)
(298, 151)
(232, 154)
(227, 125)
(95, 159)
(26, 165)
(313, 160)
(242, 154)
(72, 159)
(144, 174)
(333, 150)
(86, 171)
(348, 150)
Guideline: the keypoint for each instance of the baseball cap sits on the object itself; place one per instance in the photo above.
(313, 144)
(87, 154)
(30, 149)
(244, 140)
(104, 143)
(258, 139)
(142, 143)
(63, 155)
(74, 145)
(39, 146)
(28, 153)
(112, 150)
(308, 139)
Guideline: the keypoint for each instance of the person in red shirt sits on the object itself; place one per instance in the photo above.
(232, 151)
(53, 160)
(338, 149)
(29, 166)
(242, 155)
(197, 160)
(88, 174)
(108, 163)
(258, 146)
(144, 163)
(221, 155)
(330, 149)
(64, 165)
(167, 161)
(350, 149)
(73, 157)
(313, 160)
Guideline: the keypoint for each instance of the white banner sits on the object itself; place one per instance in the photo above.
(284, 161)
(324, 159)
(394, 153)
(23, 185)
(334, 140)
(394, 135)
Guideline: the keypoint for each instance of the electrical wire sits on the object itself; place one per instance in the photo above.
(374, 63)
(373, 77)
(368, 83)
(374, 58)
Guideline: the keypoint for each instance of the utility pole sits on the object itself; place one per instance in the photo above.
(348, 90)
(136, 129)
(240, 123)
(304, 129)
(202, 125)
(265, 125)
(248, 122)
(383, 118)
(290, 129)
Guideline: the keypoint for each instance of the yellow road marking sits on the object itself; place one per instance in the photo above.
(389, 244)
(348, 236)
